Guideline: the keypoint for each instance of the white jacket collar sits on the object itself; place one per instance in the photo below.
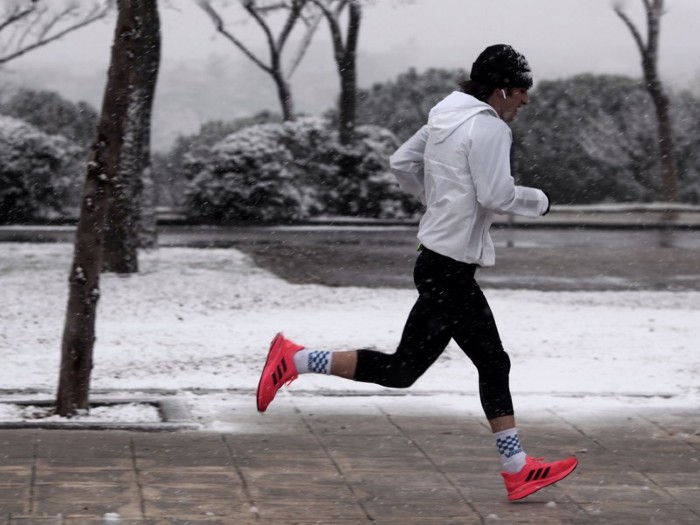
(453, 111)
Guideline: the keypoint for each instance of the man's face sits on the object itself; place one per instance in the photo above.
(507, 108)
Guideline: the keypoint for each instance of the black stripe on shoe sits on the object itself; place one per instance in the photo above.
(540, 473)
(278, 374)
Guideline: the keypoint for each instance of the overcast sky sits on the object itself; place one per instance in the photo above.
(559, 37)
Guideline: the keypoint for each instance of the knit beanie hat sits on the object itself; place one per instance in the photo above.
(502, 66)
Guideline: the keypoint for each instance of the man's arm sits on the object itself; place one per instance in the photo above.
(489, 162)
(407, 164)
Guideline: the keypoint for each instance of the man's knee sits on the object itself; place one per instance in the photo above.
(495, 370)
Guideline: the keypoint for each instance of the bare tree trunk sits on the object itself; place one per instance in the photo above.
(284, 94)
(667, 149)
(649, 52)
(147, 77)
(120, 231)
(347, 104)
(102, 176)
(84, 288)
(347, 70)
(345, 53)
(148, 222)
(667, 146)
(123, 228)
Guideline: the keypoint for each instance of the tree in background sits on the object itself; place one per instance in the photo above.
(114, 130)
(130, 222)
(26, 25)
(345, 53)
(261, 12)
(649, 50)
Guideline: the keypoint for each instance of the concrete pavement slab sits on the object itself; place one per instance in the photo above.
(391, 462)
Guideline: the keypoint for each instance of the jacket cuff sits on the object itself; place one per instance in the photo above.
(549, 203)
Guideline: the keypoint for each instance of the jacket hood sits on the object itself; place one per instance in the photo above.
(453, 111)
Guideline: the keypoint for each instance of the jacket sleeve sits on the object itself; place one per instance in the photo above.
(489, 163)
(407, 164)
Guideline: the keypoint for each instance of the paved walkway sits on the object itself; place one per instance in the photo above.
(363, 461)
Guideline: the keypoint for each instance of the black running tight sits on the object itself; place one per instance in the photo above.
(450, 305)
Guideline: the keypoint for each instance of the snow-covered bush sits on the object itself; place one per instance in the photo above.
(52, 114)
(38, 172)
(169, 167)
(250, 175)
(291, 171)
(356, 180)
(686, 122)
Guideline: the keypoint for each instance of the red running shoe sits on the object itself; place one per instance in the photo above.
(536, 475)
(279, 370)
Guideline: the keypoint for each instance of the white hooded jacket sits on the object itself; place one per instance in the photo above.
(459, 166)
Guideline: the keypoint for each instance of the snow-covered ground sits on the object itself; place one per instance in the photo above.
(199, 322)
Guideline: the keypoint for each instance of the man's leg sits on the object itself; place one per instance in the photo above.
(344, 364)
(424, 338)
(476, 333)
(335, 363)
(501, 423)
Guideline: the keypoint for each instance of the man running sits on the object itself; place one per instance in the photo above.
(458, 164)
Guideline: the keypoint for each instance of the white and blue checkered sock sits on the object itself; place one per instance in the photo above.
(510, 450)
(313, 361)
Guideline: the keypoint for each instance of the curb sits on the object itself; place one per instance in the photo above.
(173, 411)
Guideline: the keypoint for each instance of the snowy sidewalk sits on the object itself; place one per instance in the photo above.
(391, 461)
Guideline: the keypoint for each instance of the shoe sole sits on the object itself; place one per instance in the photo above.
(531, 489)
(267, 362)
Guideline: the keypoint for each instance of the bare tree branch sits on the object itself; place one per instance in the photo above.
(68, 12)
(312, 24)
(273, 48)
(633, 29)
(353, 34)
(14, 16)
(332, 18)
(219, 25)
(258, 12)
(654, 13)
(35, 19)
(294, 14)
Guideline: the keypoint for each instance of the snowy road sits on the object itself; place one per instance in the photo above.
(559, 259)
(536, 259)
